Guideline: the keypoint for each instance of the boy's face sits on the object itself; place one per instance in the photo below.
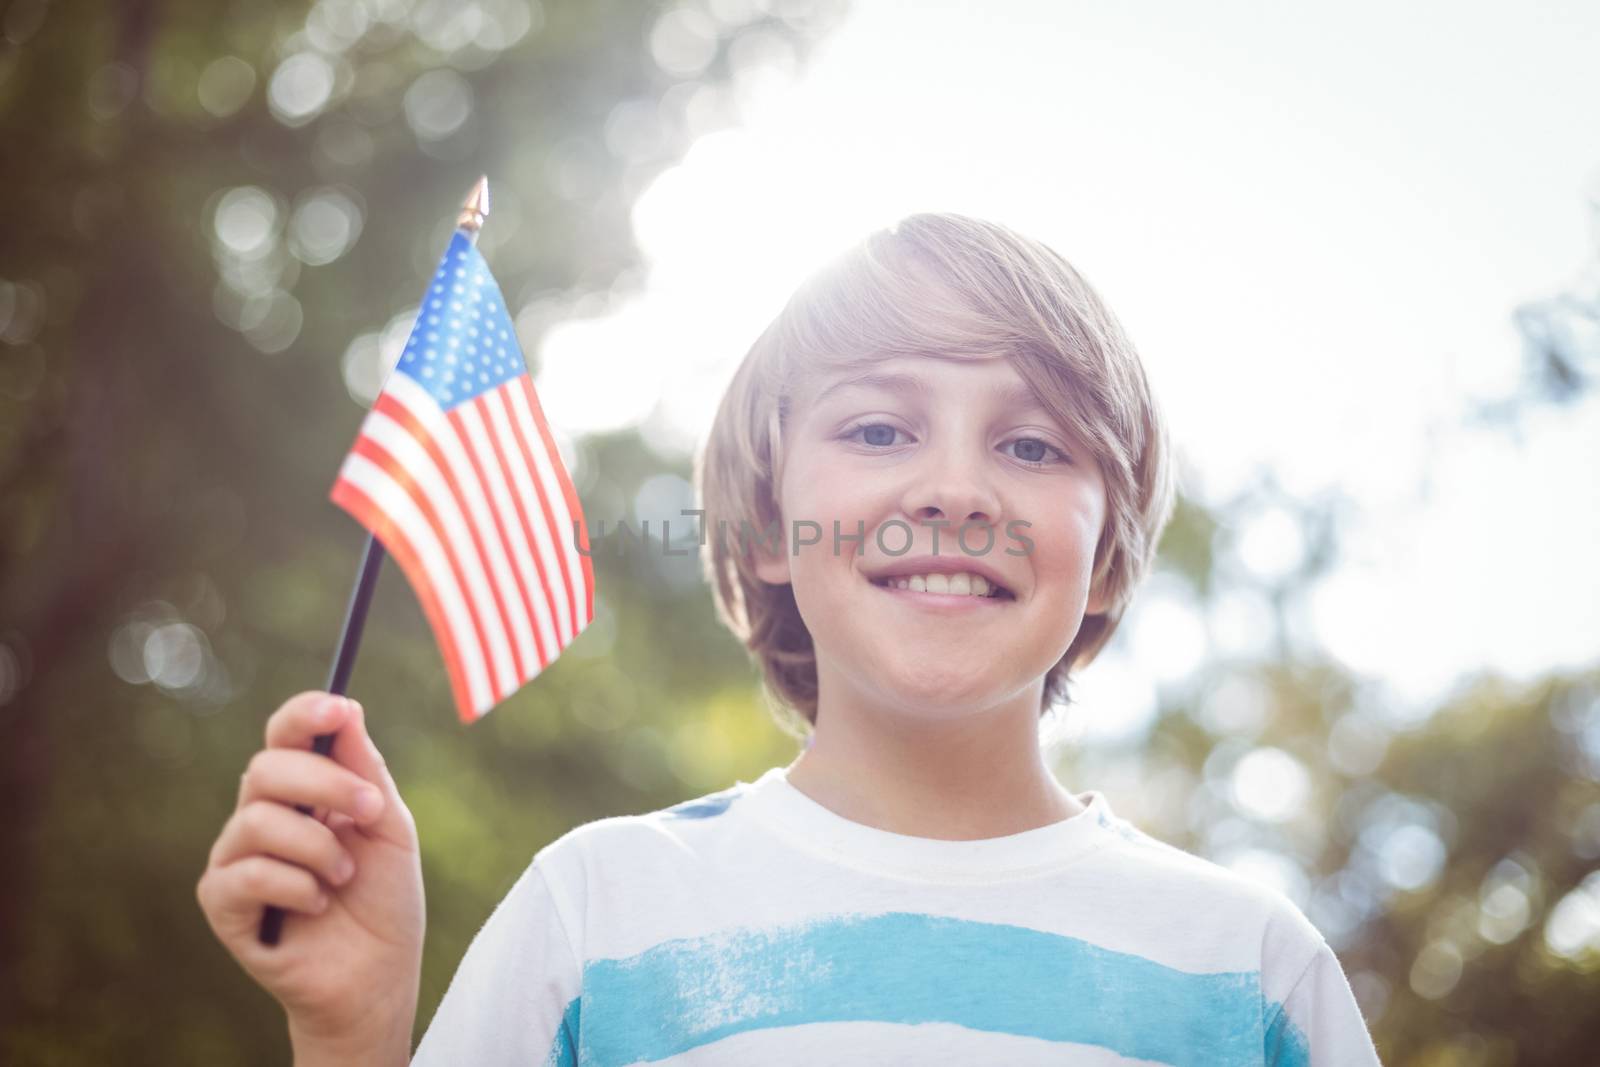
(943, 441)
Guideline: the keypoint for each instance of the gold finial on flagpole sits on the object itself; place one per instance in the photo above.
(476, 208)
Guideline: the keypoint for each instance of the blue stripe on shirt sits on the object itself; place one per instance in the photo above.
(1286, 1043)
(913, 968)
(563, 1050)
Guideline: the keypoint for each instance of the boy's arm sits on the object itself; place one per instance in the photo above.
(388, 1044)
(1319, 1024)
(513, 999)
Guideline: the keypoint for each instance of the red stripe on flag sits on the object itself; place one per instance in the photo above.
(482, 466)
(403, 415)
(574, 508)
(395, 542)
(366, 446)
(517, 431)
(487, 418)
(500, 528)
(564, 634)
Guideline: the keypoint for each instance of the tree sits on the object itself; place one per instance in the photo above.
(211, 211)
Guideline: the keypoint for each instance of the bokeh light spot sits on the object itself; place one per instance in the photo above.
(324, 226)
(683, 42)
(246, 220)
(225, 85)
(1436, 970)
(1410, 857)
(1271, 544)
(1357, 744)
(1572, 929)
(370, 357)
(1168, 633)
(1237, 705)
(300, 88)
(335, 25)
(174, 655)
(1269, 784)
(277, 324)
(437, 104)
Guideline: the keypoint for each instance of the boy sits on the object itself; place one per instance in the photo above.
(969, 475)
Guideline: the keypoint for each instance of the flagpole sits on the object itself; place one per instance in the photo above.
(470, 222)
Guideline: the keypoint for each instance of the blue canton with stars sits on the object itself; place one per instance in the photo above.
(464, 343)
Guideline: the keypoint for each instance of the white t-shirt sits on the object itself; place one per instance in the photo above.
(755, 926)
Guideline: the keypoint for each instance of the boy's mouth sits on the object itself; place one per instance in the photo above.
(962, 584)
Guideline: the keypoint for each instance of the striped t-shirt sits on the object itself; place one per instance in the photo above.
(756, 926)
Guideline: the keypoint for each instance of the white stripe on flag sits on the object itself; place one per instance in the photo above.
(558, 501)
(392, 499)
(409, 453)
(420, 403)
(500, 492)
(548, 539)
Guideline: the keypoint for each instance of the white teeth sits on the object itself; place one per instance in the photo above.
(963, 584)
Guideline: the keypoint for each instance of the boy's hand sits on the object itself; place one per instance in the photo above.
(349, 876)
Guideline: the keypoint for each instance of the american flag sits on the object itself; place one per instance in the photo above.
(456, 473)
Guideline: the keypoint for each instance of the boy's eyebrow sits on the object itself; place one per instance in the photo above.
(894, 383)
(1012, 395)
(1018, 395)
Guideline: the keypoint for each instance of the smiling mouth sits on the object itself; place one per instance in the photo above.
(968, 585)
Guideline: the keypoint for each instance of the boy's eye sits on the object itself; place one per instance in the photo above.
(1029, 450)
(1033, 451)
(877, 434)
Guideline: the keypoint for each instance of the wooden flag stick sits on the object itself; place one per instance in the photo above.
(469, 222)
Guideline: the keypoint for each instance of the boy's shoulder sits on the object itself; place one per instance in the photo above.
(694, 850)
(1193, 887)
(1154, 869)
(637, 834)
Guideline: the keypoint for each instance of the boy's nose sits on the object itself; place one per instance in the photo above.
(955, 491)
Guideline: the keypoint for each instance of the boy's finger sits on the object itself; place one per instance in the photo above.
(338, 823)
(302, 718)
(291, 777)
(262, 827)
(299, 720)
(354, 747)
(233, 896)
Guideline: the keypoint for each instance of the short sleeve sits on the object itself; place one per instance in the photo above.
(1319, 1023)
(514, 998)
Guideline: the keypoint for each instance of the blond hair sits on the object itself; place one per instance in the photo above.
(951, 287)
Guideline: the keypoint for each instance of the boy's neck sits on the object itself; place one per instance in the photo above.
(978, 776)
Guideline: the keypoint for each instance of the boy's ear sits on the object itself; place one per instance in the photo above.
(772, 569)
(771, 559)
(1099, 602)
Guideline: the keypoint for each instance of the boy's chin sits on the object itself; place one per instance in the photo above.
(942, 694)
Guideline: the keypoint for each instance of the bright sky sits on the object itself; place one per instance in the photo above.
(1314, 222)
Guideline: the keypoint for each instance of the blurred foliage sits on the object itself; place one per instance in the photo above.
(212, 212)
(218, 217)
(1560, 339)
(1450, 856)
